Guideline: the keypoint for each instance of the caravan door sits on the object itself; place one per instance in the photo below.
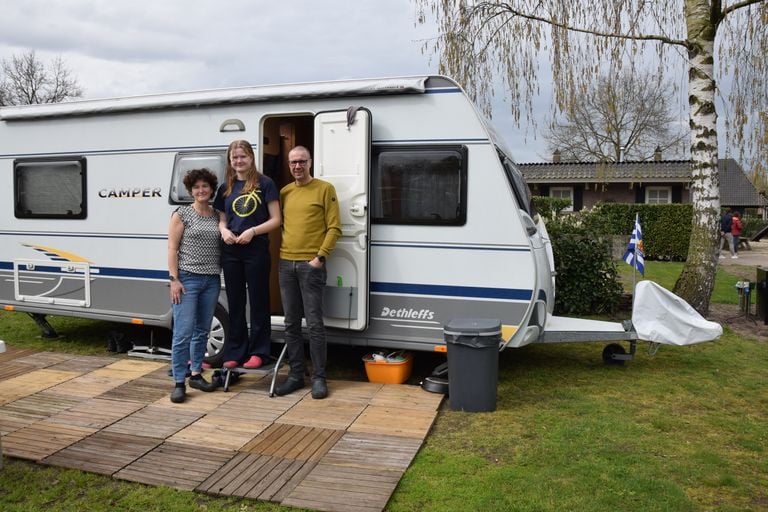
(342, 157)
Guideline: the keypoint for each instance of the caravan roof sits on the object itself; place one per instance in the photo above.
(330, 89)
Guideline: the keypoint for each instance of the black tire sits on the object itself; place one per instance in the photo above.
(610, 350)
(217, 337)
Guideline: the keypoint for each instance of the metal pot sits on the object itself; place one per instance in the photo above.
(435, 385)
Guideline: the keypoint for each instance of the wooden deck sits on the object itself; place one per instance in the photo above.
(113, 416)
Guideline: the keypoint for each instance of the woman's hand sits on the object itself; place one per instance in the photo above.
(177, 290)
(228, 236)
(245, 237)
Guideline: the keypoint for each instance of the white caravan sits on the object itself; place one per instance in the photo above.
(437, 220)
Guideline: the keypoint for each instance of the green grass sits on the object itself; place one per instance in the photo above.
(684, 430)
(666, 274)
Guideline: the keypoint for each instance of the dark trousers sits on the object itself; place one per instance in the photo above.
(301, 288)
(246, 277)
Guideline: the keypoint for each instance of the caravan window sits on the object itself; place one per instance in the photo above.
(49, 189)
(216, 162)
(419, 185)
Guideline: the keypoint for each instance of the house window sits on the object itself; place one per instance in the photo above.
(563, 193)
(216, 162)
(419, 185)
(49, 189)
(658, 195)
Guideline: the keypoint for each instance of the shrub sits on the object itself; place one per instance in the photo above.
(586, 273)
(666, 227)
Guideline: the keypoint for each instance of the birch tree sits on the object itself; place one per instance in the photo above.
(482, 41)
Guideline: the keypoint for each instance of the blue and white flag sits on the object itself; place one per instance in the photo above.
(635, 254)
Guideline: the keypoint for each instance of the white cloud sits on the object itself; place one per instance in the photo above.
(126, 48)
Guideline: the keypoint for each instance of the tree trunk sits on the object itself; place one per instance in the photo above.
(697, 280)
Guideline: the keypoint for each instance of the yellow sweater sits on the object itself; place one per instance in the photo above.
(311, 221)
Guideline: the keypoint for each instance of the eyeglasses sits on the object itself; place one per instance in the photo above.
(301, 163)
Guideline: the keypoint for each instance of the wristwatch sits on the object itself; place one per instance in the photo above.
(171, 278)
(322, 259)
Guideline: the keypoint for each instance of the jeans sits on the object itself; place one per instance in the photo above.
(246, 275)
(192, 322)
(728, 237)
(301, 288)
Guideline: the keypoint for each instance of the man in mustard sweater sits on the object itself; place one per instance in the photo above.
(311, 226)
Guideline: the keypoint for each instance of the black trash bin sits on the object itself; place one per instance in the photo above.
(473, 363)
(761, 287)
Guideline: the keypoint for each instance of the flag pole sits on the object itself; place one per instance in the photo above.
(634, 263)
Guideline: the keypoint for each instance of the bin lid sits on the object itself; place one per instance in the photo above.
(473, 327)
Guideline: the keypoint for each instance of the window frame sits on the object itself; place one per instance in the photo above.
(80, 161)
(570, 191)
(177, 179)
(375, 191)
(657, 188)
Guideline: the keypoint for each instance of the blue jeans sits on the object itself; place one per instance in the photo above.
(192, 322)
(301, 288)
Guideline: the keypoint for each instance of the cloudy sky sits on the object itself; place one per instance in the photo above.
(126, 48)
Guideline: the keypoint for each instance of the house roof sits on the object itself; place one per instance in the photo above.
(735, 187)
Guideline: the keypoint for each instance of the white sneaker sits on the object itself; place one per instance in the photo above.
(734, 257)
(722, 257)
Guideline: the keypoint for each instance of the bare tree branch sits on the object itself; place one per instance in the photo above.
(26, 81)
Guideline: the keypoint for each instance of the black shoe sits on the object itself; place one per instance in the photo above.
(290, 385)
(179, 394)
(198, 382)
(319, 389)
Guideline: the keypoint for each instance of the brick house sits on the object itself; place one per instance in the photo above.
(653, 182)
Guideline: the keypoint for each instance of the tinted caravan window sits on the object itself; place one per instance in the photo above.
(216, 162)
(49, 189)
(419, 185)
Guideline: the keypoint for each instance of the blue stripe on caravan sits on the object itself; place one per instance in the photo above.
(451, 291)
(100, 271)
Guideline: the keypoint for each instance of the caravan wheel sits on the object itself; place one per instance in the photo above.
(217, 337)
(610, 350)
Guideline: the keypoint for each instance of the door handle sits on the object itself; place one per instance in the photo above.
(357, 210)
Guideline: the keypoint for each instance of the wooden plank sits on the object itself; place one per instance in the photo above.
(212, 432)
(44, 359)
(294, 442)
(10, 369)
(40, 405)
(42, 439)
(176, 465)
(373, 451)
(232, 474)
(83, 364)
(329, 413)
(87, 386)
(329, 487)
(353, 390)
(96, 413)
(129, 369)
(103, 452)
(257, 477)
(145, 389)
(154, 422)
(255, 406)
(198, 401)
(394, 421)
(402, 396)
(12, 353)
(31, 383)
